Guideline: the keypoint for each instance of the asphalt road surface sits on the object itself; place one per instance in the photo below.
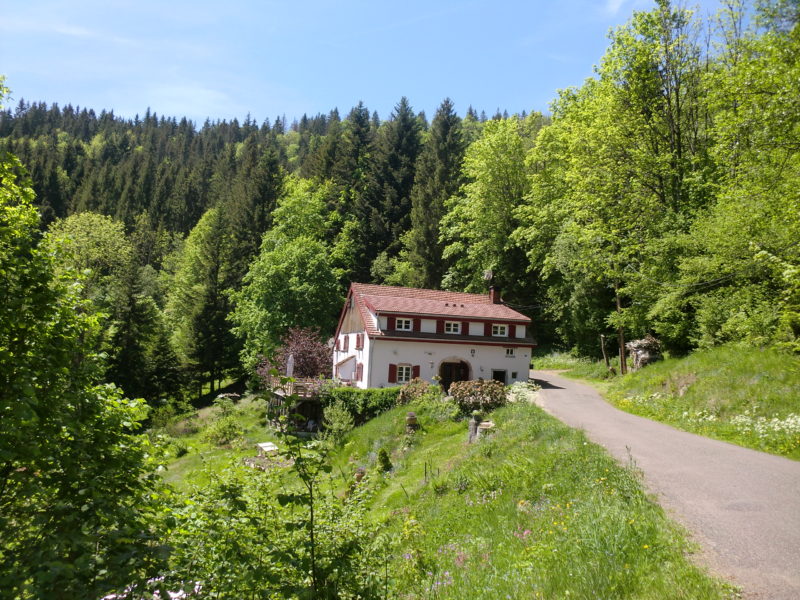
(741, 506)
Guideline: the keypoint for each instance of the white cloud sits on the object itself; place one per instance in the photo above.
(612, 7)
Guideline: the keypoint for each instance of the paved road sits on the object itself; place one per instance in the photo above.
(742, 506)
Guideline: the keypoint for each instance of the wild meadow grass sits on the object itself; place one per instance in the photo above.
(192, 459)
(748, 396)
(578, 367)
(534, 511)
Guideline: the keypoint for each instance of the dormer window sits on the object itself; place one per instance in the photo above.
(500, 330)
(403, 325)
(452, 327)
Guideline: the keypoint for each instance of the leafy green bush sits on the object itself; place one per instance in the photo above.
(363, 405)
(480, 394)
(223, 431)
(218, 539)
(384, 462)
(226, 428)
(337, 421)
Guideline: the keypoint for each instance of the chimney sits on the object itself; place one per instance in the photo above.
(494, 294)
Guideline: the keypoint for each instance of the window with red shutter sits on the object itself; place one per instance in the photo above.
(392, 373)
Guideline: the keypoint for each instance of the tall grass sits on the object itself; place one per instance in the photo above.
(534, 511)
(578, 367)
(749, 396)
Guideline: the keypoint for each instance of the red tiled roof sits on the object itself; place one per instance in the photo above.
(385, 299)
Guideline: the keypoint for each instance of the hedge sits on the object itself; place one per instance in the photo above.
(362, 404)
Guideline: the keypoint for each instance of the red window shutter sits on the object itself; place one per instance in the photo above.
(390, 323)
(346, 343)
(359, 371)
(465, 328)
(439, 326)
(487, 329)
(512, 331)
(338, 345)
(415, 371)
(417, 324)
(392, 373)
(359, 341)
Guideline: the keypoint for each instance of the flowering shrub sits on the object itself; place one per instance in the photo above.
(480, 394)
(415, 389)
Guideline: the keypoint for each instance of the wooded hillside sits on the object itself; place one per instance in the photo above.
(659, 197)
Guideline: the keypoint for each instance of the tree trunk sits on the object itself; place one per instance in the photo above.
(623, 365)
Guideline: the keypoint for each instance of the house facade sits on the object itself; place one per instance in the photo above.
(388, 335)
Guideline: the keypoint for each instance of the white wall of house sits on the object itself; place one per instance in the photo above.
(429, 357)
(378, 353)
(346, 361)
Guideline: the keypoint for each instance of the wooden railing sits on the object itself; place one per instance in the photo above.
(302, 387)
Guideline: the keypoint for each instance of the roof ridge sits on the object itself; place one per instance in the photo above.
(365, 288)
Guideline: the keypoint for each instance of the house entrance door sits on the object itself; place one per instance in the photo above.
(452, 371)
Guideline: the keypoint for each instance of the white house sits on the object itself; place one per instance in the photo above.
(389, 335)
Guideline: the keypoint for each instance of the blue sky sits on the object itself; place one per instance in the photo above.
(227, 59)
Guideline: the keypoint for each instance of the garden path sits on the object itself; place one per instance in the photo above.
(740, 505)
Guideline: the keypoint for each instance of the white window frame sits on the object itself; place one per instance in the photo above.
(453, 327)
(510, 352)
(404, 324)
(499, 330)
(404, 373)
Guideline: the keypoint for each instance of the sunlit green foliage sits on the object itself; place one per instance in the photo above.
(76, 492)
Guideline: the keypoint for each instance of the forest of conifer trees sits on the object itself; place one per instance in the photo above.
(659, 197)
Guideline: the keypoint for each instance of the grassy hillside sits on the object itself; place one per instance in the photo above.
(193, 456)
(534, 511)
(748, 396)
